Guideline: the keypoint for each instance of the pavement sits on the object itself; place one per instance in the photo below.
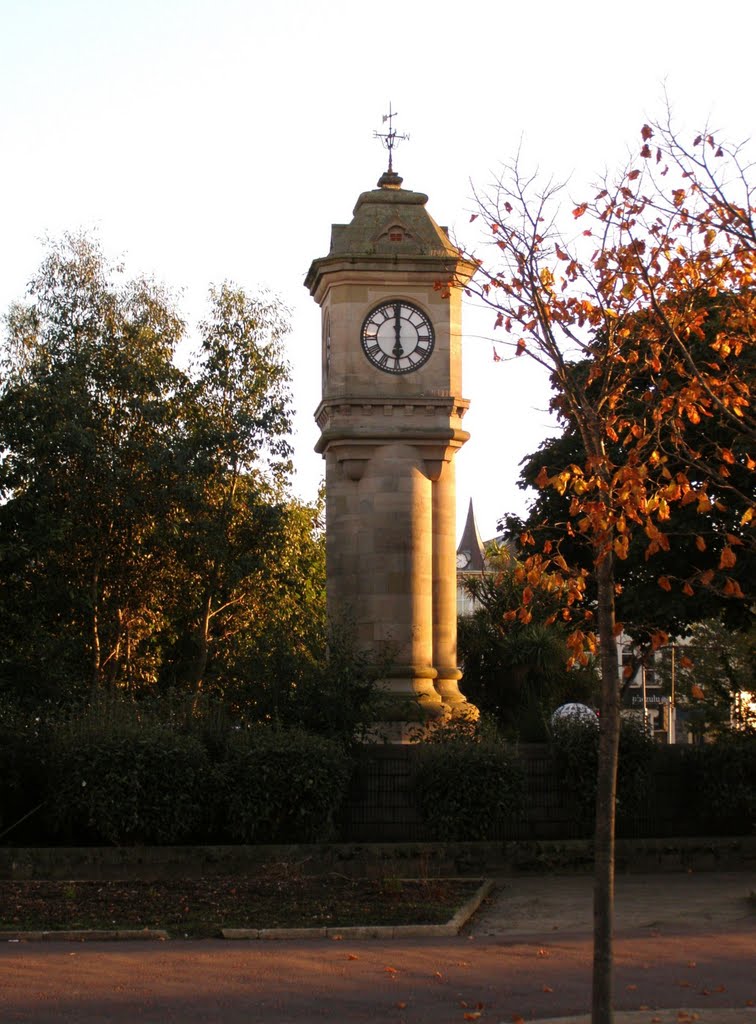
(685, 951)
(558, 907)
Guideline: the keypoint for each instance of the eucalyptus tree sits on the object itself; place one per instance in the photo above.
(87, 405)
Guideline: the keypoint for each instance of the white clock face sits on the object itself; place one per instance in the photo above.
(397, 337)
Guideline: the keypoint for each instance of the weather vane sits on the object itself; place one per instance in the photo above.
(390, 138)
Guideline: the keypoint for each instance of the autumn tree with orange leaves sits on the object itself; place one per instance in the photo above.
(616, 305)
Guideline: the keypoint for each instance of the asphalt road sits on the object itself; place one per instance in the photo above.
(539, 968)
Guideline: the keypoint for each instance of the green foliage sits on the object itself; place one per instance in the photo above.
(146, 536)
(281, 785)
(517, 671)
(575, 749)
(714, 677)
(121, 777)
(466, 787)
(23, 774)
(721, 781)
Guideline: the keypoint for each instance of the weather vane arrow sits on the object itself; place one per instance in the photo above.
(390, 138)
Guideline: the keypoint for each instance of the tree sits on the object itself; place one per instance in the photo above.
(621, 296)
(234, 465)
(697, 539)
(144, 518)
(86, 407)
(713, 675)
(515, 670)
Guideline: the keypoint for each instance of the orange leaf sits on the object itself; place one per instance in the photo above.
(700, 543)
(580, 210)
(520, 347)
(727, 559)
(547, 988)
(352, 956)
(732, 589)
(401, 1006)
(633, 175)
(664, 583)
(646, 132)
(390, 970)
(621, 547)
(472, 1016)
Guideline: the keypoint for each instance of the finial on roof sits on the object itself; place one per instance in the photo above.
(389, 178)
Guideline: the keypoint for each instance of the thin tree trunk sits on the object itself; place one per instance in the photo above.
(95, 630)
(602, 1011)
(200, 648)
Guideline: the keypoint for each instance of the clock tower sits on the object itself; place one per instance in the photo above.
(391, 425)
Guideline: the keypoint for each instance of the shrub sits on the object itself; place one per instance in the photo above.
(22, 775)
(722, 784)
(124, 780)
(281, 785)
(575, 744)
(465, 787)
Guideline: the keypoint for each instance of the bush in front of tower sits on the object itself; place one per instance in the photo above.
(466, 786)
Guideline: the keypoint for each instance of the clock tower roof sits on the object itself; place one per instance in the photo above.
(390, 225)
(391, 220)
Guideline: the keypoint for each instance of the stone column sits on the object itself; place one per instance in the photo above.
(445, 591)
(395, 546)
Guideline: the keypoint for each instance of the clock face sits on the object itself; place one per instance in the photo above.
(463, 560)
(397, 337)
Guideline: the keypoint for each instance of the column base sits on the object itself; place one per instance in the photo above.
(456, 704)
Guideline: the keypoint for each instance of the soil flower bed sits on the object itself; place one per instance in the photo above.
(201, 907)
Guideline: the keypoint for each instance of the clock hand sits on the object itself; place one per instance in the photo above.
(397, 350)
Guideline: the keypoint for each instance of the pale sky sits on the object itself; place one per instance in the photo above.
(207, 140)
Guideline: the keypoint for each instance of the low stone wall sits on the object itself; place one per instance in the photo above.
(382, 860)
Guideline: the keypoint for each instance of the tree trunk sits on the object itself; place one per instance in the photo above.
(602, 1011)
(94, 595)
(200, 645)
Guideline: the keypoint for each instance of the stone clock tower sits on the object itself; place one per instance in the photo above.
(391, 424)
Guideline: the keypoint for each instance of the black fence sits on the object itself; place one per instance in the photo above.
(381, 806)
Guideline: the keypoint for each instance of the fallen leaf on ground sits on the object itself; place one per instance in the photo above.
(352, 956)
(547, 988)
(472, 1016)
(390, 970)
(401, 1006)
